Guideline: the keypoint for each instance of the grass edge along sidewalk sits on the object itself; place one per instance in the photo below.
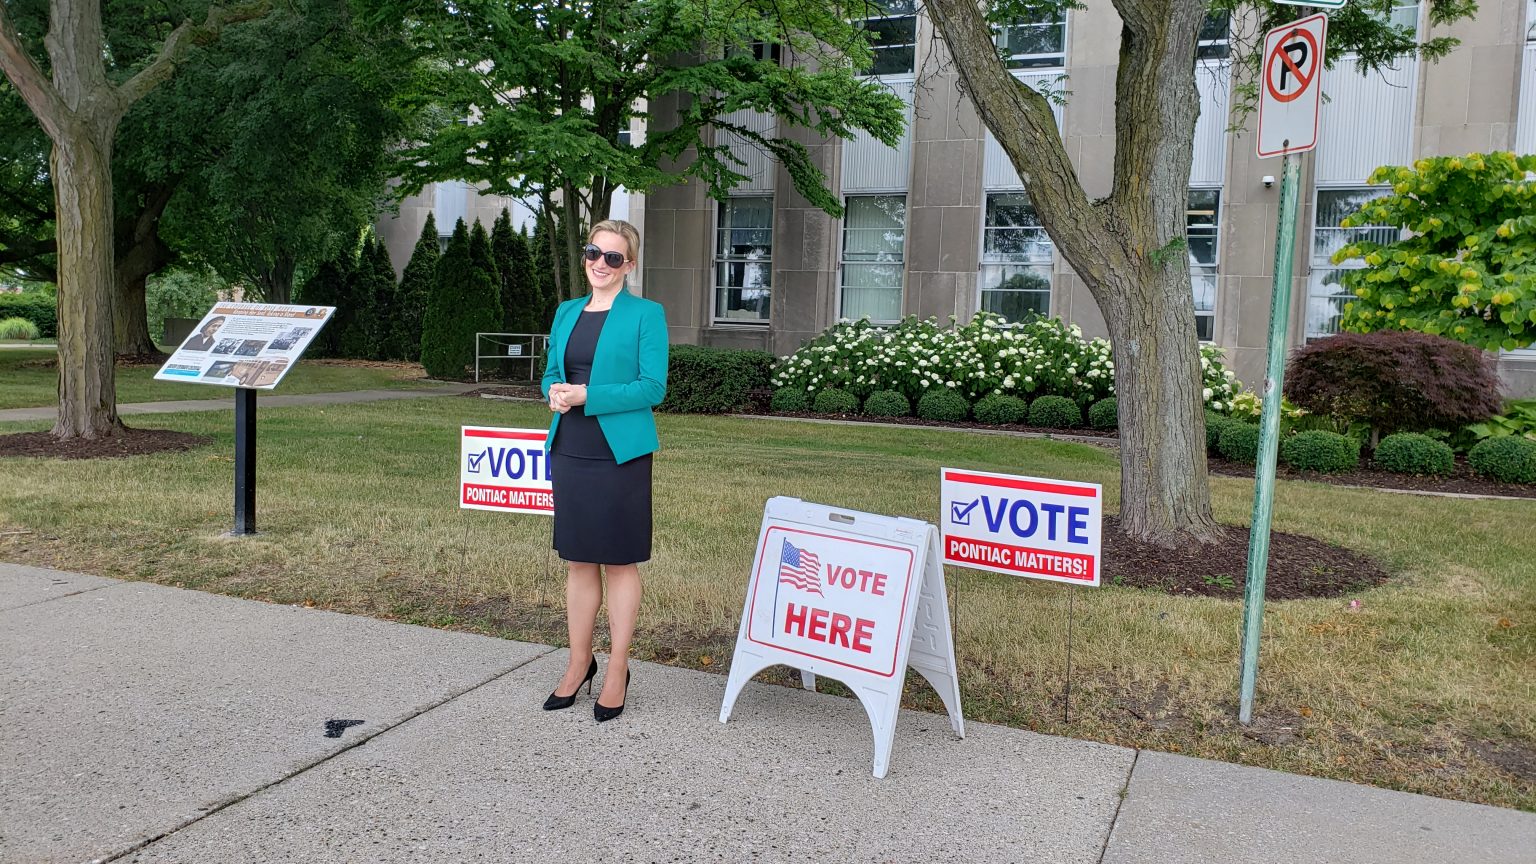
(1416, 685)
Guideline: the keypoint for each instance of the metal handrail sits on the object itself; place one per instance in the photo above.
(514, 346)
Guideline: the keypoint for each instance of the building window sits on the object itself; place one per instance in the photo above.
(1015, 259)
(1202, 228)
(1326, 294)
(874, 245)
(758, 51)
(1036, 41)
(892, 37)
(1215, 34)
(744, 260)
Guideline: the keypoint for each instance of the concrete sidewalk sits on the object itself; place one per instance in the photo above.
(264, 401)
(150, 724)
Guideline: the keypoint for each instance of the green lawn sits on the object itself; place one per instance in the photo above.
(1427, 686)
(26, 383)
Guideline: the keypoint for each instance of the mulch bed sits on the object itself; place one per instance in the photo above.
(129, 442)
(1461, 481)
(1298, 566)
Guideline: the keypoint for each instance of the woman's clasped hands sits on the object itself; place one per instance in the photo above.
(564, 397)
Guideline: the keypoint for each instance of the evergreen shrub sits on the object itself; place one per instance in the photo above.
(1320, 450)
(1104, 414)
(1001, 410)
(887, 403)
(1055, 412)
(835, 401)
(1239, 442)
(943, 405)
(1507, 460)
(1413, 453)
(790, 400)
(703, 380)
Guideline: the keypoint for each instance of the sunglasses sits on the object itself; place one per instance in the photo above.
(612, 259)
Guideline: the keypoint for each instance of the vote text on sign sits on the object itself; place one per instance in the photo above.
(1291, 86)
(505, 470)
(1023, 526)
(854, 596)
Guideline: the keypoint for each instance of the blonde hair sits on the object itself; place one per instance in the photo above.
(630, 234)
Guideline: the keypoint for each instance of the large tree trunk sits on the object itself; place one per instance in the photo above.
(140, 254)
(1126, 248)
(82, 178)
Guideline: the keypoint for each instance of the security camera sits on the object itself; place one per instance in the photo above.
(1269, 181)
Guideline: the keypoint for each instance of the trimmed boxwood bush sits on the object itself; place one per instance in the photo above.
(1507, 460)
(1000, 409)
(1215, 424)
(835, 401)
(887, 403)
(703, 380)
(1104, 414)
(18, 328)
(943, 405)
(790, 400)
(39, 308)
(1320, 450)
(1055, 412)
(1239, 441)
(1412, 453)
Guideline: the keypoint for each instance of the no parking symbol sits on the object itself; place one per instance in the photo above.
(1292, 93)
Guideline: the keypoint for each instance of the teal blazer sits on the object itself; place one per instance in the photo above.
(629, 371)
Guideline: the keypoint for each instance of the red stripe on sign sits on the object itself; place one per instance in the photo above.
(507, 496)
(1020, 559)
(1027, 485)
(494, 433)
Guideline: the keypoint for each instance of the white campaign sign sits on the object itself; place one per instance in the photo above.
(1022, 526)
(853, 596)
(1291, 86)
(245, 344)
(505, 470)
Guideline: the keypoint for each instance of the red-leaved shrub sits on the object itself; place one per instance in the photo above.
(1396, 381)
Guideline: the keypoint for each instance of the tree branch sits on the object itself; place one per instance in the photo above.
(176, 45)
(28, 78)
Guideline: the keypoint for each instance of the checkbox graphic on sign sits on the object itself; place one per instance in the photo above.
(474, 461)
(960, 513)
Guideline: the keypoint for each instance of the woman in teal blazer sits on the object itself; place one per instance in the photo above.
(607, 369)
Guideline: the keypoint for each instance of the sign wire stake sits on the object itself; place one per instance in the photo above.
(1066, 697)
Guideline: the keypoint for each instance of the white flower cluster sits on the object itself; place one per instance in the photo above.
(987, 356)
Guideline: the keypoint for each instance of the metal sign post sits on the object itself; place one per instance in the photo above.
(1290, 95)
(245, 462)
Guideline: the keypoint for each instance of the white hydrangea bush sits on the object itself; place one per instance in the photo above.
(987, 356)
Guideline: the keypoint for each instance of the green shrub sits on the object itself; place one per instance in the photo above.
(1055, 412)
(704, 380)
(1104, 414)
(1214, 425)
(35, 306)
(835, 401)
(943, 405)
(1318, 450)
(1239, 442)
(790, 400)
(18, 328)
(1000, 410)
(1507, 460)
(887, 403)
(1412, 453)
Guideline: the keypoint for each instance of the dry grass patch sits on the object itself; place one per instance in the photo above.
(1424, 686)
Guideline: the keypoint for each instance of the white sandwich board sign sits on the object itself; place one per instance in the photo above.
(505, 470)
(853, 596)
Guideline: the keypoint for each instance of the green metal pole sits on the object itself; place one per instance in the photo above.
(1269, 436)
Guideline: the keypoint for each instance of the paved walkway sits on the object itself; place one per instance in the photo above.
(264, 400)
(151, 724)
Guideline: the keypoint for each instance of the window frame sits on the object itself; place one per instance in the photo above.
(717, 260)
(843, 262)
(1321, 267)
(906, 9)
(999, 31)
(1212, 269)
(993, 261)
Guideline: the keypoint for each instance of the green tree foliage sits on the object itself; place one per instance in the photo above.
(524, 305)
(182, 293)
(480, 252)
(1465, 265)
(329, 286)
(463, 304)
(360, 326)
(416, 291)
(546, 265)
(582, 68)
(384, 307)
(502, 241)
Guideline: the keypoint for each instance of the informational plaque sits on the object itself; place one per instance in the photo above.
(245, 344)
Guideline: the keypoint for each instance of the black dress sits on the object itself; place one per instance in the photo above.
(602, 508)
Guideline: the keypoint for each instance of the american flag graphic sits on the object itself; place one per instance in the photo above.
(798, 567)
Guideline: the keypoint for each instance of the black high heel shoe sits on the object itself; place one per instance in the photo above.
(602, 713)
(555, 703)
